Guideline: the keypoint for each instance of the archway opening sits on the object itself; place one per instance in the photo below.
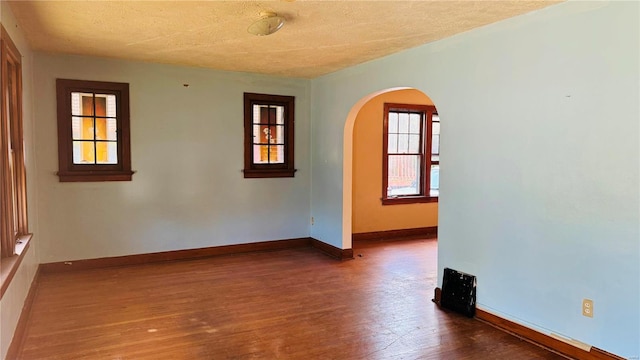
(365, 213)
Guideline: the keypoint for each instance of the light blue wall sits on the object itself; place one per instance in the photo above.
(187, 149)
(540, 163)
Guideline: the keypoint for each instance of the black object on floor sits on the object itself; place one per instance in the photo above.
(459, 292)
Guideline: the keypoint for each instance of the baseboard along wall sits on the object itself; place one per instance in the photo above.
(556, 343)
(430, 232)
(71, 265)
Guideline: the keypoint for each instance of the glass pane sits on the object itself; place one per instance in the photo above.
(403, 143)
(414, 123)
(78, 130)
(436, 128)
(414, 144)
(81, 104)
(435, 144)
(256, 113)
(260, 156)
(280, 115)
(83, 152)
(277, 154)
(107, 152)
(435, 118)
(392, 146)
(277, 134)
(82, 128)
(435, 177)
(403, 175)
(435, 158)
(100, 105)
(264, 134)
(403, 123)
(112, 127)
(268, 154)
(111, 105)
(77, 152)
(393, 122)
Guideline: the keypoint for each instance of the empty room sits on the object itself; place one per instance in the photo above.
(319, 180)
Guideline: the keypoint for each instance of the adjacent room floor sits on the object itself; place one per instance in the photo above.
(290, 304)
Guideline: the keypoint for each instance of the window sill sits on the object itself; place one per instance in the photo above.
(88, 176)
(9, 266)
(409, 200)
(268, 173)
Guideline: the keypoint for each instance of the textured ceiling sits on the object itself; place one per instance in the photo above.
(319, 37)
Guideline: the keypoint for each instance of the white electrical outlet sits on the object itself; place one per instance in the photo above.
(587, 307)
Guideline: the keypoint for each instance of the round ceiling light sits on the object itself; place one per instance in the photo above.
(269, 23)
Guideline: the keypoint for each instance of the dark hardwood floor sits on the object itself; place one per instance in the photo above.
(289, 304)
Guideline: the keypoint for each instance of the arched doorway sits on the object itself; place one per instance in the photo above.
(364, 212)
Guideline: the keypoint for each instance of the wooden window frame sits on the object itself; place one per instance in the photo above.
(67, 170)
(14, 230)
(285, 169)
(425, 161)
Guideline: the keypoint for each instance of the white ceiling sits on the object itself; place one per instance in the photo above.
(319, 37)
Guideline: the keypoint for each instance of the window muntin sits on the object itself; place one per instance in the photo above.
(93, 131)
(269, 150)
(407, 137)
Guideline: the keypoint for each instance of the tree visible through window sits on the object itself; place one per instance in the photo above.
(268, 123)
(93, 131)
(411, 151)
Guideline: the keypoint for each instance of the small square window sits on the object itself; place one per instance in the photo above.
(93, 131)
(268, 136)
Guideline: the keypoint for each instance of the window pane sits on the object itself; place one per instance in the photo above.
(392, 146)
(111, 105)
(403, 175)
(435, 144)
(107, 152)
(403, 144)
(83, 152)
(414, 123)
(435, 177)
(280, 115)
(393, 122)
(82, 128)
(414, 144)
(277, 133)
(435, 158)
(268, 154)
(81, 103)
(277, 154)
(435, 128)
(265, 134)
(435, 118)
(256, 113)
(403, 123)
(112, 126)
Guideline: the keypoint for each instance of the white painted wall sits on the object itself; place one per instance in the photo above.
(13, 299)
(540, 163)
(187, 149)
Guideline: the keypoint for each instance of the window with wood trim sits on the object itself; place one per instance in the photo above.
(411, 154)
(268, 136)
(93, 131)
(13, 190)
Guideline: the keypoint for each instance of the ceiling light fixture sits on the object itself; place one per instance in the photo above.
(269, 23)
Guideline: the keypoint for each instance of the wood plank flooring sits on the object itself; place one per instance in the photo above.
(289, 304)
